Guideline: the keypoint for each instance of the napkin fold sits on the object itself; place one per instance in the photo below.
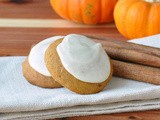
(21, 100)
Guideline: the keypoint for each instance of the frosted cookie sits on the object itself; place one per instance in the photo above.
(34, 68)
(79, 64)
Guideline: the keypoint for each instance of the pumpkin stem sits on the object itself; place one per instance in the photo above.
(152, 1)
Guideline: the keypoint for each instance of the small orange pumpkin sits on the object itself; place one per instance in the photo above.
(85, 11)
(137, 18)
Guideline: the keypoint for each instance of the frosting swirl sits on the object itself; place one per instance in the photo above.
(84, 59)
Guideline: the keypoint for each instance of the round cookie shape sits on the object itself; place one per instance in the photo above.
(62, 76)
(84, 59)
(36, 55)
(36, 78)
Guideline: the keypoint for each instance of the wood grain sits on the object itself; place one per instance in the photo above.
(18, 41)
(34, 9)
(147, 115)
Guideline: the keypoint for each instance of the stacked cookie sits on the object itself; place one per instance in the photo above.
(73, 61)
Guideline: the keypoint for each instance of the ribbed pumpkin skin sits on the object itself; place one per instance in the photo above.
(85, 11)
(137, 18)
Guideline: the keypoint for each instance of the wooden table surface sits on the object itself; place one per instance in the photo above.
(23, 25)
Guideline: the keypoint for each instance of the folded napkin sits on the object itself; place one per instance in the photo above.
(21, 100)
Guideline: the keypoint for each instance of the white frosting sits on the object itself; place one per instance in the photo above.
(36, 56)
(84, 59)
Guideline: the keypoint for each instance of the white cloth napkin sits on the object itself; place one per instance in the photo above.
(21, 100)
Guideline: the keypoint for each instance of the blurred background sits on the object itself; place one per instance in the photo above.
(26, 22)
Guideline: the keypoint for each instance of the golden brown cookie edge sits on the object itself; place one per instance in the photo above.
(36, 78)
(61, 75)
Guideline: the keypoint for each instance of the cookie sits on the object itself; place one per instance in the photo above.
(62, 76)
(36, 78)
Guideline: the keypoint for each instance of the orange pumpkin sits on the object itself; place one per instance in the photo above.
(137, 18)
(85, 11)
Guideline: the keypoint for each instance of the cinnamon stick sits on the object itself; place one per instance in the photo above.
(136, 72)
(133, 56)
(127, 45)
(135, 53)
